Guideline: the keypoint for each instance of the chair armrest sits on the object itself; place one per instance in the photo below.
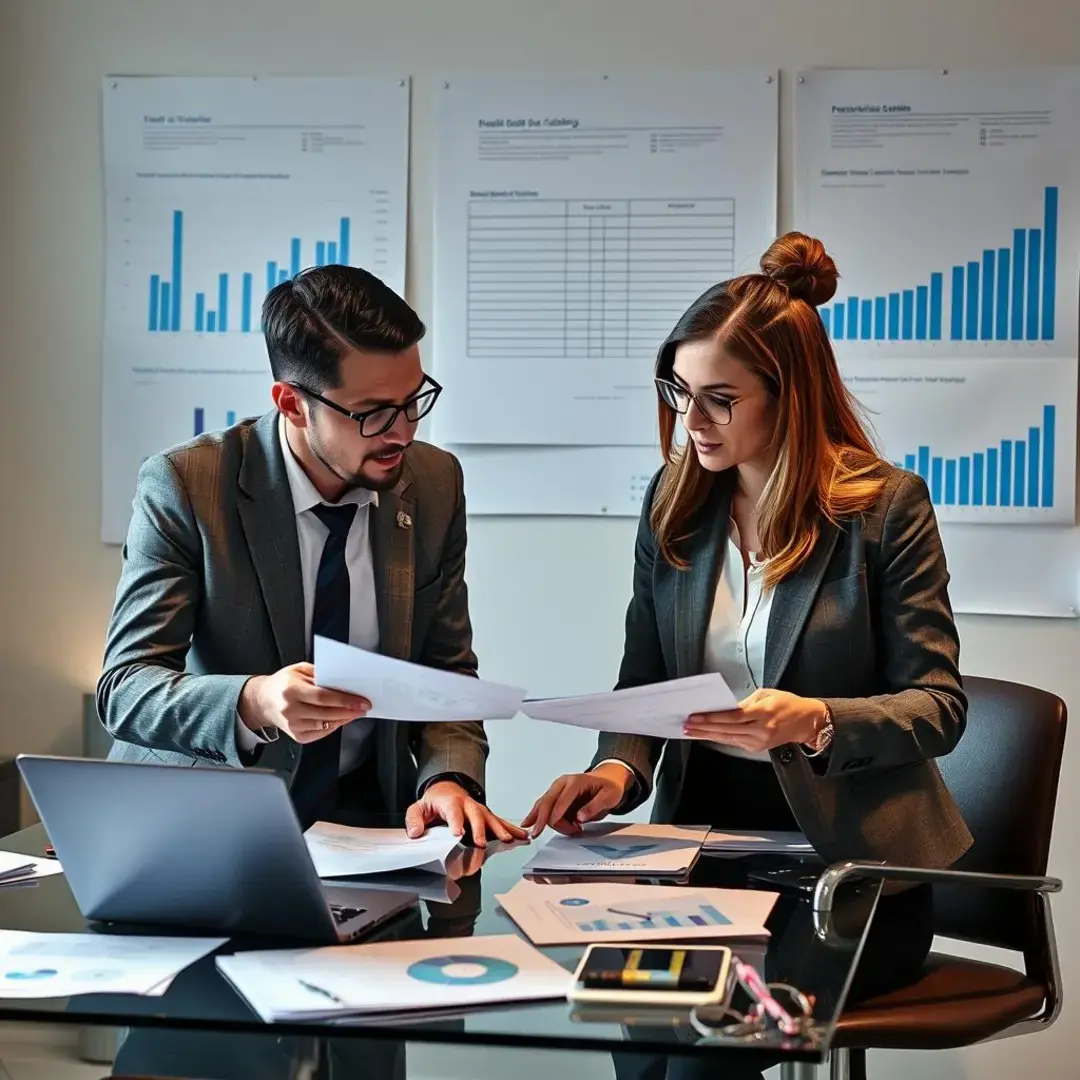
(835, 875)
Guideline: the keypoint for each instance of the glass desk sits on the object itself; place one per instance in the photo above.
(202, 1024)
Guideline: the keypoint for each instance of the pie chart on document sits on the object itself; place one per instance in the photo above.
(462, 970)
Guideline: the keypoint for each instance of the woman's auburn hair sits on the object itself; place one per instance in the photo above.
(826, 466)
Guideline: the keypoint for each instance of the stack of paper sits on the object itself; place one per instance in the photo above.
(18, 869)
(63, 965)
(743, 843)
(393, 977)
(343, 851)
(582, 913)
(635, 849)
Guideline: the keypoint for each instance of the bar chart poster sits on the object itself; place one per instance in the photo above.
(217, 190)
(995, 440)
(951, 205)
(575, 220)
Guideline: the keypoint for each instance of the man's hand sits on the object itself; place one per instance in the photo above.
(580, 797)
(763, 721)
(290, 700)
(445, 801)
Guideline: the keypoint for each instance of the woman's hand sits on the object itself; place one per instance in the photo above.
(764, 720)
(579, 797)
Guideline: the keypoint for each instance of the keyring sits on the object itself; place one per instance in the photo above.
(741, 1027)
(753, 1024)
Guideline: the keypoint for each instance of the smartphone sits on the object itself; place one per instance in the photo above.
(653, 975)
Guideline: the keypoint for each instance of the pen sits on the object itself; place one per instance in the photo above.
(644, 916)
(751, 981)
(321, 991)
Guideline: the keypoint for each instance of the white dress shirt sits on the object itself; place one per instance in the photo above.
(363, 614)
(735, 639)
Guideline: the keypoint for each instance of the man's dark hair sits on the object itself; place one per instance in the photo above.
(312, 320)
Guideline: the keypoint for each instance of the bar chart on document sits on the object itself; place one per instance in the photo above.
(993, 439)
(217, 190)
(576, 219)
(951, 206)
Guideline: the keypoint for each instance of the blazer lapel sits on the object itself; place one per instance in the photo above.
(695, 588)
(791, 604)
(269, 524)
(392, 543)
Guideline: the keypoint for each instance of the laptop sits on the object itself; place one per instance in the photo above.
(207, 849)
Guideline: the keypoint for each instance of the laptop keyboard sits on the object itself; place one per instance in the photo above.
(342, 913)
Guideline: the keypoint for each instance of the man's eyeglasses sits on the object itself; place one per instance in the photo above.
(715, 407)
(381, 419)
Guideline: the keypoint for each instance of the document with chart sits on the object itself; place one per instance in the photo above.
(393, 977)
(576, 217)
(218, 189)
(951, 204)
(64, 965)
(612, 911)
(345, 850)
(633, 848)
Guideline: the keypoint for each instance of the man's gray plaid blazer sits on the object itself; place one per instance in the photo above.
(211, 593)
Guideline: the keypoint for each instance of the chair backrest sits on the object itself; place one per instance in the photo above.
(1003, 774)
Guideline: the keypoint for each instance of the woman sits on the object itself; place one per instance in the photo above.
(777, 548)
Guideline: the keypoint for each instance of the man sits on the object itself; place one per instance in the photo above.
(321, 517)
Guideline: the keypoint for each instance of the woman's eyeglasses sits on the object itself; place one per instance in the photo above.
(716, 407)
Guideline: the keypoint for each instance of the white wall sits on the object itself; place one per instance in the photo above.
(548, 595)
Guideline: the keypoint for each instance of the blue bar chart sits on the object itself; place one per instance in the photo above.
(1006, 292)
(172, 309)
(597, 920)
(199, 425)
(993, 439)
(1015, 472)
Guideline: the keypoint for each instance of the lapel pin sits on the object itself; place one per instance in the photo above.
(403, 520)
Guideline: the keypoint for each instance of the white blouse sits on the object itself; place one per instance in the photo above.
(735, 639)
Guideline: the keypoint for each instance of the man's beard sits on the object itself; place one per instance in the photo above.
(388, 481)
(360, 480)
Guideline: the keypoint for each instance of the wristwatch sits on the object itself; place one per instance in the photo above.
(824, 737)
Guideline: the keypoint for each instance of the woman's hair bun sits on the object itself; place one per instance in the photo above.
(802, 264)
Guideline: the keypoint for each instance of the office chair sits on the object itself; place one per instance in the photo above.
(1003, 774)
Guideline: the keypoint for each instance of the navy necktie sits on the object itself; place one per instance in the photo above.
(314, 786)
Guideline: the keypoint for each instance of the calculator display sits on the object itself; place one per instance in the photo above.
(612, 967)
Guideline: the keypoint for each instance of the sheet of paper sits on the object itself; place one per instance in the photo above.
(399, 690)
(961, 346)
(64, 965)
(431, 887)
(342, 851)
(611, 911)
(634, 848)
(18, 869)
(658, 709)
(393, 977)
(216, 190)
(576, 217)
(719, 841)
